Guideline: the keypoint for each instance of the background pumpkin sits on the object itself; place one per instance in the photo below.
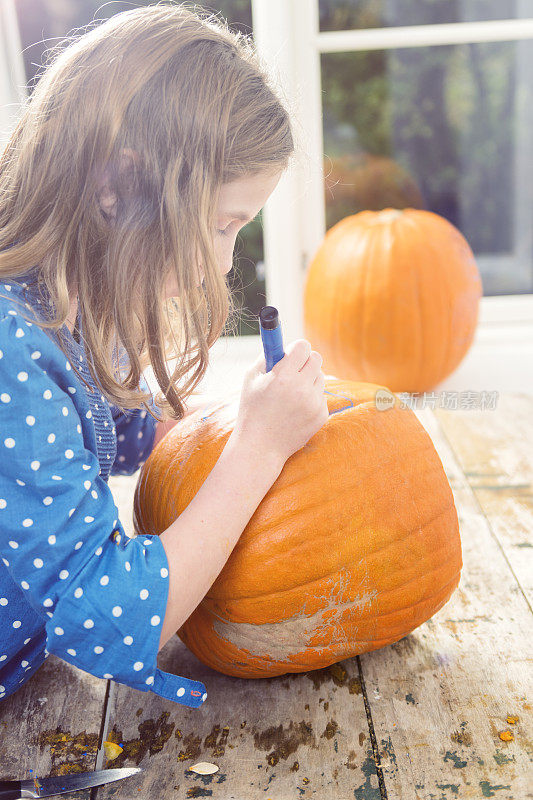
(355, 544)
(392, 297)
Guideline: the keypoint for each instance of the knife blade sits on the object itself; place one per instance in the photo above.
(58, 784)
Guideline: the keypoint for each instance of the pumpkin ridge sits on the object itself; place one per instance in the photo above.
(425, 599)
(382, 616)
(395, 542)
(420, 337)
(367, 555)
(363, 347)
(382, 593)
(444, 367)
(362, 478)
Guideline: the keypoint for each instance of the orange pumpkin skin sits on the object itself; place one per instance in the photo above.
(355, 545)
(392, 297)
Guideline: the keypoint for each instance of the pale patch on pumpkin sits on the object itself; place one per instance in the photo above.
(288, 638)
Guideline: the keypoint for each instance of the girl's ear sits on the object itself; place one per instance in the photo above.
(106, 196)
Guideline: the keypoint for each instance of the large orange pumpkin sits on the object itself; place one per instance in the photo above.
(392, 297)
(355, 544)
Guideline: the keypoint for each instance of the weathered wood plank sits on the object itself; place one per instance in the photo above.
(52, 724)
(440, 697)
(495, 451)
(302, 735)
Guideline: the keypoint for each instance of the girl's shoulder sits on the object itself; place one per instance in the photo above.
(12, 299)
(20, 335)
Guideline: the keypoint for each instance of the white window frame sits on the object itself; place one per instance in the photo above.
(288, 39)
(12, 74)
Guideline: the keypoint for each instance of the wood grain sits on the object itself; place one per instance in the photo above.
(495, 452)
(51, 725)
(295, 736)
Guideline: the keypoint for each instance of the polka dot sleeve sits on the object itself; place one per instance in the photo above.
(135, 439)
(101, 594)
(136, 430)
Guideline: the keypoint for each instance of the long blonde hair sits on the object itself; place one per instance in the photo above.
(191, 98)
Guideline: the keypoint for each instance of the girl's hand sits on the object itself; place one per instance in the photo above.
(281, 410)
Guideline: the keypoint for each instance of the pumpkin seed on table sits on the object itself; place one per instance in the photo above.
(204, 768)
(112, 750)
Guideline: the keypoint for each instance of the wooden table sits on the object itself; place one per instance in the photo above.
(442, 714)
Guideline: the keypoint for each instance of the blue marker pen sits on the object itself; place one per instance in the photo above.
(271, 337)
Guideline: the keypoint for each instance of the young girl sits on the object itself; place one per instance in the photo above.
(146, 146)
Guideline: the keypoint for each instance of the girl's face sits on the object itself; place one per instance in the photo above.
(239, 202)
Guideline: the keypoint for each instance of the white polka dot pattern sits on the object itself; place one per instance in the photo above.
(61, 541)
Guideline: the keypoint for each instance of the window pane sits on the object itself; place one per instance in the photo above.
(338, 15)
(43, 23)
(448, 129)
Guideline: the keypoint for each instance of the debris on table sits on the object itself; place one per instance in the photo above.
(112, 750)
(204, 768)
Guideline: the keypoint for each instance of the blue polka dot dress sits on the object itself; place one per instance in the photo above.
(72, 582)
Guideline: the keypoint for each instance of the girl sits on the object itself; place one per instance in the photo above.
(145, 147)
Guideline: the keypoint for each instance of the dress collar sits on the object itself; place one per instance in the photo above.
(39, 299)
